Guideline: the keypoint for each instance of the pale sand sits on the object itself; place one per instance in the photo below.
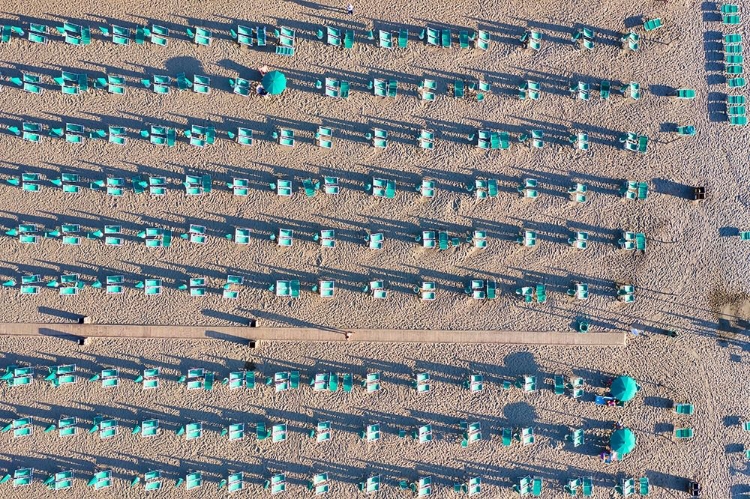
(685, 369)
(692, 278)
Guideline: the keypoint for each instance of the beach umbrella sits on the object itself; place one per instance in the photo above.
(624, 388)
(622, 442)
(274, 82)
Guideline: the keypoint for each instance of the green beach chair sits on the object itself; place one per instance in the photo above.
(576, 437)
(652, 24)
(38, 33)
(324, 137)
(526, 383)
(101, 480)
(379, 138)
(523, 487)
(525, 436)
(683, 433)
(559, 384)
(372, 382)
(62, 480)
(458, 89)
(427, 90)
(685, 93)
(507, 437)
(243, 36)
(426, 140)
(643, 486)
(626, 487)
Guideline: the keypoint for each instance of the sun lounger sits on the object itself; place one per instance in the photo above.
(683, 433)
(652, 24)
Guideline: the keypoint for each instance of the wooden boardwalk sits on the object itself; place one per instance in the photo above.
(258, 334)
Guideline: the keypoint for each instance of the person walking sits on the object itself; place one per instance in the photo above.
(350, 9)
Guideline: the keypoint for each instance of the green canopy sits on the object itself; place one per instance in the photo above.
(624, 388)
(274, 82)
(622, 442)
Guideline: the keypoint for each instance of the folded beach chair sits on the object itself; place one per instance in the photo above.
(643, 486)
(683, 433)
(463, 39)
(730, 14)
(685, 93)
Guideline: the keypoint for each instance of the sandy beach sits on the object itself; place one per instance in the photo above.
(691, 278)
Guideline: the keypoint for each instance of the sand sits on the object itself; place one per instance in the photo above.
(692, 277)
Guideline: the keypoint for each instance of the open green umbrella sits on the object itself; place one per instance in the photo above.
(624, 388)
(622, 442)
(274, 82)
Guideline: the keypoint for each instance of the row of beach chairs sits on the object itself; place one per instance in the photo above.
(204, 135)
(378, 187)
(584, 38)
(202, 379)
(476, 288)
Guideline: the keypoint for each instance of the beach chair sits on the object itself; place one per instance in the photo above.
(683, 433)
(382, 188)
(559, 384)
(427, 90)
(685, 93)
(736, 82)
(631, 41)
(523, 487)
(375, 240)
(62, 480)
(75, 34)
(385, 39)
(472, 433)
(278, 433)
(475, 383)
(459, 89)
(527, 238)
(576, 437)
(579, 291)
(481, 40)
(652, 24)
(371, 485)
(686, 131)
(324, 137)
(463, 39)
(643, 486)
(526, 436)
(426, 140)
(532, 40)
(371, 433)
(379, 138)
(422, 382)
(372, 382)
(478, 239)
(240, 86)
(730, 14)
(684, 409)
(626, 487)
(38, 33)
(423, 434)
(427, 291)
(243, 36)
(526, 383)
(101, 480)
(507, 436)
(587, 486)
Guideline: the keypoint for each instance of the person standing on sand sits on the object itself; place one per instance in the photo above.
(350, 9)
